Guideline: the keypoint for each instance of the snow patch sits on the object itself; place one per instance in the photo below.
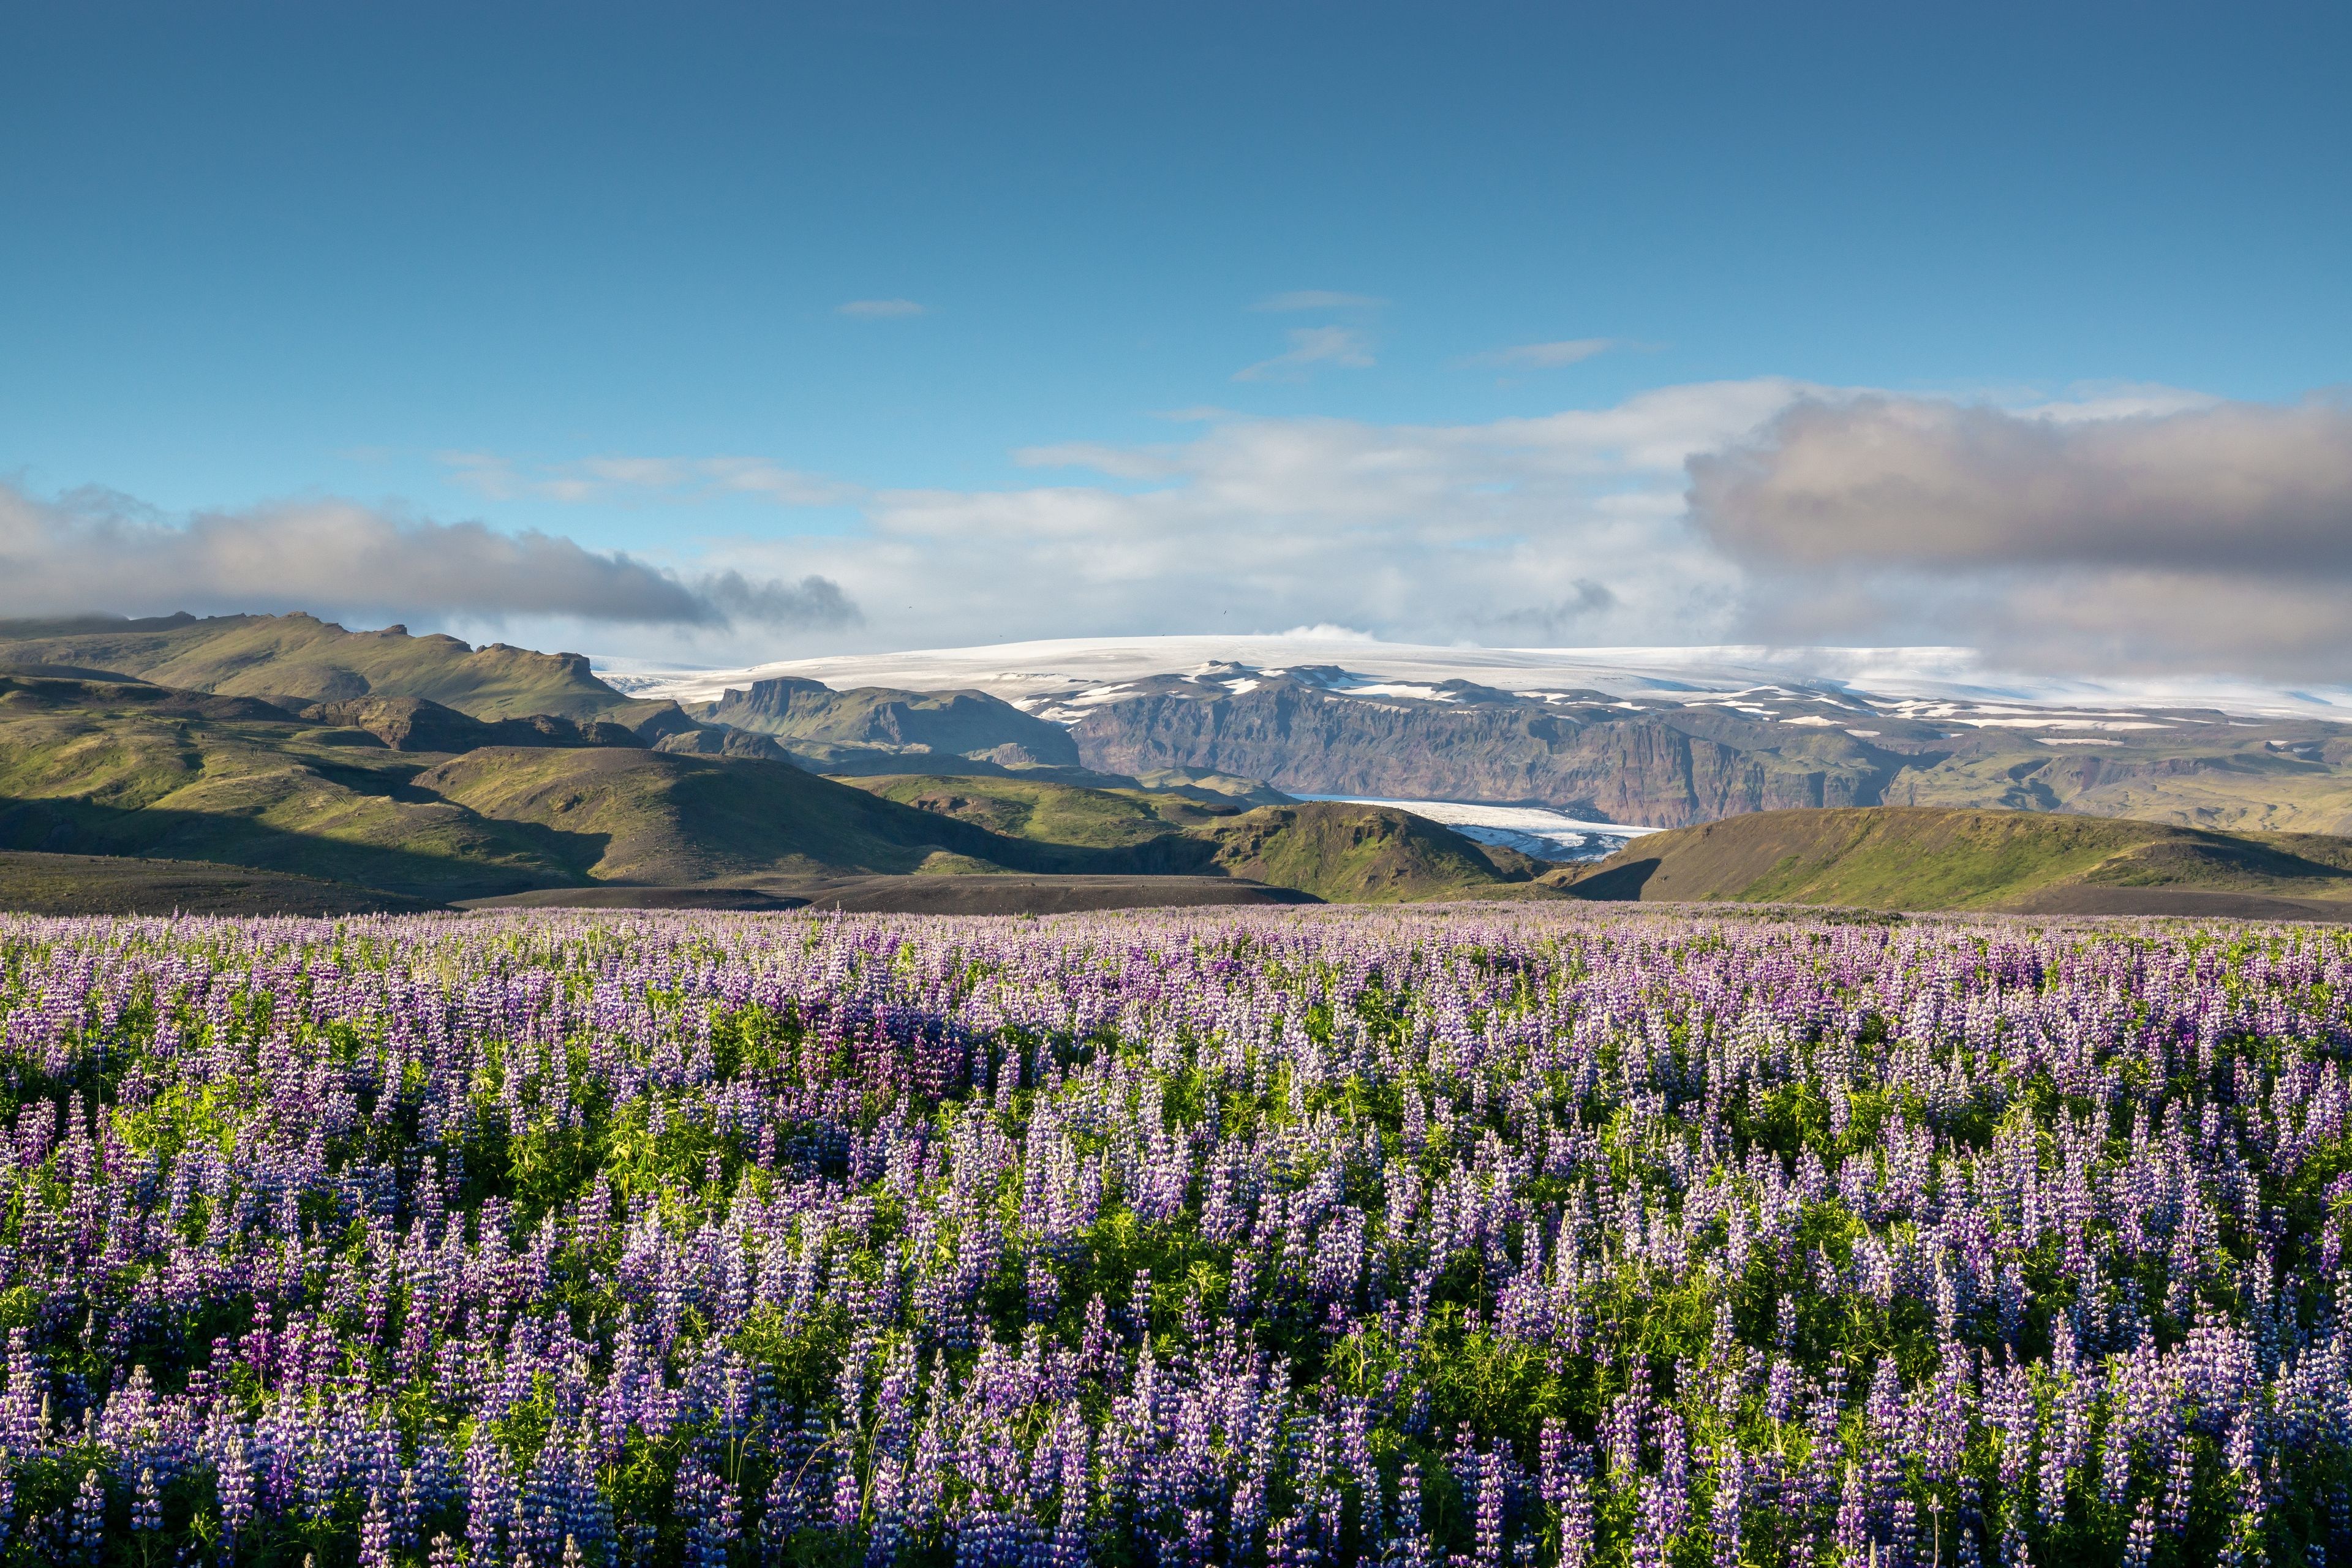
(1924, 676)
(1400, 689)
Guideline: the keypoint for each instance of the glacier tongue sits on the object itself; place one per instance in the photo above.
(1529, 829)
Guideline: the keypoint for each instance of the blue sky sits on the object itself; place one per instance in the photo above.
(582, 270)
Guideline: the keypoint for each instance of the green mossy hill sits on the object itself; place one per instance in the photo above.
(301, 659)
(813, 717)
(1207, 785)
(421, 724)
(1050, 812)
(1346, 853)
(663, 817)
(120, 768)
(1341, 852)
(1911, 857)
(25, 692)
(124, 769)
(718, 741)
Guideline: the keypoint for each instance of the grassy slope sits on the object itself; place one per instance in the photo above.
(1922, 858)
(120, 777)
(662, 817)
(2192, 781)
(108, 774)
(1042, 810)
(1345, 853)
(300, 656)
(1337, 851)
(1207, 785)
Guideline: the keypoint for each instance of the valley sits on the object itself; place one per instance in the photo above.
(413, 773)
(401, 800)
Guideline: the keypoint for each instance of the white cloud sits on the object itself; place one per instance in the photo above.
(1311, 346)
(878, 309)
(94, 551)
(1544, 356)
(1318, 299)
(2138, 527)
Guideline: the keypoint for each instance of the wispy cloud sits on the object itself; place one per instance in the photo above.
(1119, 462)
(1311, 346)
(1319, 299)
(1567, 527)
(878, 309)
(1544, 356)
(628, 478)
(93, 549)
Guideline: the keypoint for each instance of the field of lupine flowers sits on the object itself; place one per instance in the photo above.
(1431, 1238)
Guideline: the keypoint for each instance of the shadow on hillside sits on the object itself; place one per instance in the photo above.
(82, 827)
(1000, 895)
(1619, 884)
(728, 801)
(71, 885)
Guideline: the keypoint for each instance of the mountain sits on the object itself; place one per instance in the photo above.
(421, 724)
(1306, 734)
(128, 768)
(303, 660)
(437, 806)
(1658, 737)
(1927, 859)
(407, 801)
(819, 723)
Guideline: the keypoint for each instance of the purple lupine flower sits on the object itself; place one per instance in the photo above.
(146, 1503)
(1730, 1497)
(375, 1533)
(2140, 1545)
(1489, 1518)
(89, 1530)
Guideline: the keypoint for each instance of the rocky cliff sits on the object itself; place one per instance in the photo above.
(1583, 755)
